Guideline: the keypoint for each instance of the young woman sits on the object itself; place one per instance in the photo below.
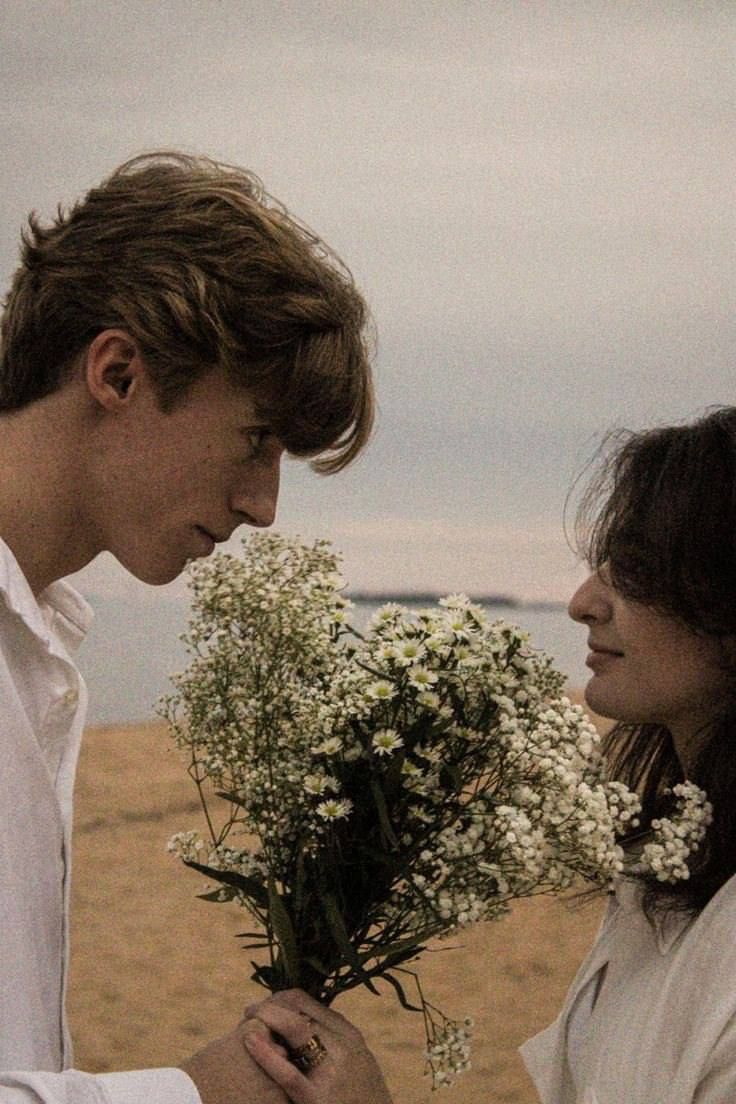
(651, 1015)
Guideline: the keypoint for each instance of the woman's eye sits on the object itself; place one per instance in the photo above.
(256, 439)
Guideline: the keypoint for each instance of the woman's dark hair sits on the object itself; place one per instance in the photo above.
(660, 513)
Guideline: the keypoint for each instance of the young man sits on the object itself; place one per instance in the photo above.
(163, 343)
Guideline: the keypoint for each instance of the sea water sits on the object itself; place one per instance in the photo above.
(133, 647)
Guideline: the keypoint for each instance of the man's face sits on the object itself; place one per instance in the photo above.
(169, 486)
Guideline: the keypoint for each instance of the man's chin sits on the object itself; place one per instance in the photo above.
(154, 573)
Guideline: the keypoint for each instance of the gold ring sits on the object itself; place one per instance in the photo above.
(306, 1057)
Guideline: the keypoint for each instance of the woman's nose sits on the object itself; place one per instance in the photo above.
(591, 601)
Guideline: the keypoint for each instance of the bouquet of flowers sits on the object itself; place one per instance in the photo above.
(380, 790)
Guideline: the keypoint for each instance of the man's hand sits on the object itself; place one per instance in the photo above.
(346, 1074)
(225, 1073)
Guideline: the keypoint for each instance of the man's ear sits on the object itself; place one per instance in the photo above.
(113, 369)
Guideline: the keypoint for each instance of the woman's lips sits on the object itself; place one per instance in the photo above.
(600, 658)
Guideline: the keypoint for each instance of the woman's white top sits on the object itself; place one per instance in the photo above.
(650, 1017)
(42, 710)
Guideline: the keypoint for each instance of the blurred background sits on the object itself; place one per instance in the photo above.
(536, 198)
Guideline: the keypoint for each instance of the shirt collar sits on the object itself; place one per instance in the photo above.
(58, 611)
(667, 925)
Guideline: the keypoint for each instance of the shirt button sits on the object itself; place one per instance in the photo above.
(71, 697)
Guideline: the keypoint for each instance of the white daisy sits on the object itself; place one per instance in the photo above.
(380, 690)
(334, 808)
(421, 677)
(386, 741)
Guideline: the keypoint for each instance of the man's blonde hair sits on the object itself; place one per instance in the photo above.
(204, 270)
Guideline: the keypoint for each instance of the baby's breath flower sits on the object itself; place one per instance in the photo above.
(186, 845)
(448, 1053)
(675, 838)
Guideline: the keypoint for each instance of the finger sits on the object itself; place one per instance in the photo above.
(279, 1069)
(298, 1001)
(254, 1009)
(295, 1028)
(255, 1027)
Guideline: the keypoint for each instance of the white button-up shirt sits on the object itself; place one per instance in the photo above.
(42, 708)
(651, 1015)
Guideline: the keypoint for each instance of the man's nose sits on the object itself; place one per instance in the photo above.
(256, 502)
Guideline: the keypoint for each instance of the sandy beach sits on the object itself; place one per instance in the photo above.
(156, 972)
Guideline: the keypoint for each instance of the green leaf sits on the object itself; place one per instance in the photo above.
(411, 943)
(390, 861)
(215, 895)
(403, 1001)
(234, 798)
(340, 934)
(249, 886)
(392, 777)
(317, 966)
(267, 976)
(284, 932)
(299, 882)
(401, 956)
(451, 777)
(382, 810)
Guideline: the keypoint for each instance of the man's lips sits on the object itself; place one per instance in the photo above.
(212, 535)
(206, 537)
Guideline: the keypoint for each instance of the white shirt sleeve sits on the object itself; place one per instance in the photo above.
(155, 1086)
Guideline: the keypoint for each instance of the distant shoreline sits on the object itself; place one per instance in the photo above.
(135, 643)
(417, 597)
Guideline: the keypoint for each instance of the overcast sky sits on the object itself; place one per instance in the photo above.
(536, 198)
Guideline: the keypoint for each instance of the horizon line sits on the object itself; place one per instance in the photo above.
(426, 597)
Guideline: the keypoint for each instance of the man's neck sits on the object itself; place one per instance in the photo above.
(41, 496)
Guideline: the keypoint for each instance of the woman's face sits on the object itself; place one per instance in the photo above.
(648, 668)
